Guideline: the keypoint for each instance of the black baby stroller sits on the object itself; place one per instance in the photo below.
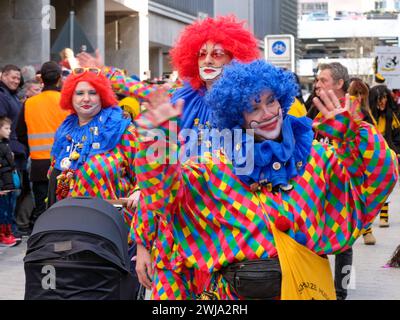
(78, 250)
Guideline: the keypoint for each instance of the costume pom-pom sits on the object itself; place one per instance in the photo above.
(301, 238)
(282, 223)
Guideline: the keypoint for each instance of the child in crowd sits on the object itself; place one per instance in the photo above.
(7, 196)
(6, 156)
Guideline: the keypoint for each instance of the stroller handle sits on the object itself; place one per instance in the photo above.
(118, 202)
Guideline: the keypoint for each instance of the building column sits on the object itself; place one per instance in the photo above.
(143, 26)
(90, 15)
(156, 62)
(127, 42)
(25, 26)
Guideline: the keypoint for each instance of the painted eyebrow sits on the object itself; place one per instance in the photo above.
(91, 91)
(271, 98)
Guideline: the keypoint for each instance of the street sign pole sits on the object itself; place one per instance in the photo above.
(388, 65)
(280, 50)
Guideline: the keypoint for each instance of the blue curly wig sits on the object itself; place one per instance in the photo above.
(242, 83)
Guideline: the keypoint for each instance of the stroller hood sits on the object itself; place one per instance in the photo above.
(86, 216)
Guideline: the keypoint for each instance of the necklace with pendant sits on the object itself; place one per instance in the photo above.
(75, 148)
(73, 153)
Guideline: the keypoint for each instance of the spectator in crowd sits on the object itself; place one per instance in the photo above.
(68, 59)
(311, 113)
(25, 204)
(334, 76)
(40, 118)
(7, 194)
(385, 112)
(31, 88)
(6, 157)
(298, 108)
(10, 107)
(28, 73)
(384, 109)
(358, 89)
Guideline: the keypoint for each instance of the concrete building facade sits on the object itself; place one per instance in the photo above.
(132, 34)
(348, 33)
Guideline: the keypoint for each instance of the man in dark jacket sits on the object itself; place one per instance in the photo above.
(10, 107)
(40, 117)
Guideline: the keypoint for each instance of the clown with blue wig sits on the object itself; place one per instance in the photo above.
(227, 222)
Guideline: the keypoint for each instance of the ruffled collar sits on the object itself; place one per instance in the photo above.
(278, 162)
(101, 134)
(196, 113)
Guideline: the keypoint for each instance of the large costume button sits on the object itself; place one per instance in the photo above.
(96, 145)
(276, 166)
(282, 223)
(299, 164)
(74, 156)
(65, 164)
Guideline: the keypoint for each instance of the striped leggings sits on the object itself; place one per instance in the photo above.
(384, 214)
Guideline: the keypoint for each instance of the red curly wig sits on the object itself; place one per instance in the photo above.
(226, 31)
(99, 82)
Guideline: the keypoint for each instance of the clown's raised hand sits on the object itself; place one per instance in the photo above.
(329, 105)
(88, 61)
(160, 109)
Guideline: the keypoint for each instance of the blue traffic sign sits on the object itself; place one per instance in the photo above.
(279, 48)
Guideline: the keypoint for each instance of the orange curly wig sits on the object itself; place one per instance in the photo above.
(99, 82)
(226, 30)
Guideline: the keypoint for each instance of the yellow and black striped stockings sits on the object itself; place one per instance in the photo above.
(384, 215)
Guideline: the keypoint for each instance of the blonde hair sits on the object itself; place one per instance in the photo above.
(66, 53)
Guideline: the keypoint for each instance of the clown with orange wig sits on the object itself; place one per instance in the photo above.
(93, 150)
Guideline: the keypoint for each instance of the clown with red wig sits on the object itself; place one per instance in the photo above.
(94, 148)
(200, 54)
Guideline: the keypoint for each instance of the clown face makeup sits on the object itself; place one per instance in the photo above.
(266, 118)
(210, 73)
(86, 102)
(212, 58)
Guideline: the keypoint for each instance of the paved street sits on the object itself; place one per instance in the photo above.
(370, 281)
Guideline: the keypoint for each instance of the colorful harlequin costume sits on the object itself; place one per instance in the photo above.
(235, 39)
(214, 217)
(96, 159)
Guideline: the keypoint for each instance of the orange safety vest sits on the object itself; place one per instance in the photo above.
(43, 116)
